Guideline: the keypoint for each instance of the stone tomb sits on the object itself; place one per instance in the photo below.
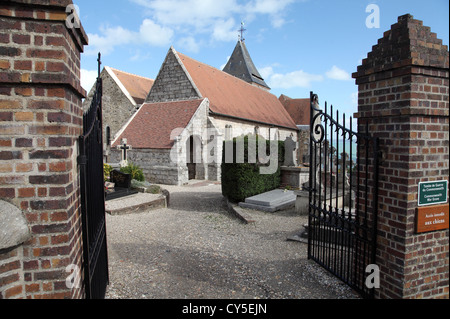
(122, 185)
(272, 201)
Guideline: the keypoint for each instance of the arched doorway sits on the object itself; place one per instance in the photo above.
(193, 155)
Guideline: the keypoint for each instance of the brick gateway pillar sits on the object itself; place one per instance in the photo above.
(404, 96)
(40, 120)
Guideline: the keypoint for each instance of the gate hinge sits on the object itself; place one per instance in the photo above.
(82, 160)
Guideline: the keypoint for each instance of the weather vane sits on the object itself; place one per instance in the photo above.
(241, 30)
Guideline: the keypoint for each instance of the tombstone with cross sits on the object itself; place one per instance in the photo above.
(124, 147)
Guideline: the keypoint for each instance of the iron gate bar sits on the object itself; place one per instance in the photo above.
(95, 255)
(341, 239)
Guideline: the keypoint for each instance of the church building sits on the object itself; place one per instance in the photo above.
(178, 132)
(123, 94)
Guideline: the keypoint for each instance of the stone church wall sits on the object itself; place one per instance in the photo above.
(117, 108)
(156, 165)
(172, 83)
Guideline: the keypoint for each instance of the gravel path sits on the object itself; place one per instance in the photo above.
(195, 249)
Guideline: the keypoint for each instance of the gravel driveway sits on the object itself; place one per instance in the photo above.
(195, 249)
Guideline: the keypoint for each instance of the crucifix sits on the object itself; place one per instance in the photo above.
(124, 147)
(241, 30)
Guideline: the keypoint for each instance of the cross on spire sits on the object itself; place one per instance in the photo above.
(242, 30)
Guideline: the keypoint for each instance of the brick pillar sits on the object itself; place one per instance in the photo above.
(40, 121)
(404, 96)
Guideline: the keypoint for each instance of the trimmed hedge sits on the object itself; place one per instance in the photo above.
(242, 180)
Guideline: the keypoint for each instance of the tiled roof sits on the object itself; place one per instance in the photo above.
(153, 124)
(299, 109)
(136, 85)
(233, 97)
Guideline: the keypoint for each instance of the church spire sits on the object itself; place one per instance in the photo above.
(241, 65)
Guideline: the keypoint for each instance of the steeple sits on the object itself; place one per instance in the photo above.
(241, 66)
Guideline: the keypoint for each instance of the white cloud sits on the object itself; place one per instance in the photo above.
(108, 40)
(182, 21)
(338, 74)
(88, 79)
(225, 30)
(296, 79)
(268, 6)
(111, 37)
(190, 44)
(275, 9)
(153, 34)
(266, 72)
(195, 13)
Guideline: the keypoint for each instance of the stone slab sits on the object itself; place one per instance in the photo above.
(272, 198)
(272, 201)
(239, 213)
(139, 202)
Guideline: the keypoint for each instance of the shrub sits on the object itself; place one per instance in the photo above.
(242, 180)
(135, 171)
(106, 171)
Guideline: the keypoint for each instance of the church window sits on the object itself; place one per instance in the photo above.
(228, 132)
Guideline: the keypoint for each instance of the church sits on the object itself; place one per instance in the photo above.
(123, 94)
(177, 133)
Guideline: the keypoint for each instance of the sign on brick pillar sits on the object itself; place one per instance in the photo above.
(403, 96)
(40, 121)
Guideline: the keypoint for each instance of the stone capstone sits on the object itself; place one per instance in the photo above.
(13, 226)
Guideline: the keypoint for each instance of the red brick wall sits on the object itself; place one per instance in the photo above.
(403, 95)
(40, 121)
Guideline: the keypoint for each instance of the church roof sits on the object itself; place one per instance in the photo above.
(235, 98)
(298, 109)
(241, 66)
(152, 125)
(137, 86)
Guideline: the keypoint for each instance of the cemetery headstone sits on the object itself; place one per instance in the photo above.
(290, 147)
(124, 147)
(122, 186)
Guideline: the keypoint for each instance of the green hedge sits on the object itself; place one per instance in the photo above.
(242, 180)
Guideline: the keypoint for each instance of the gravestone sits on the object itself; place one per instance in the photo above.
(122, 186)
(124, 147)
(289, 146)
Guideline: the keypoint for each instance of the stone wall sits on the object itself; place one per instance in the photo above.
(404, 97)
(172, 83)
(40, 121)
(116, 106)
(156, 165)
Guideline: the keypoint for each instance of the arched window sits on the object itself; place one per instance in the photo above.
(228, 132)
(108, 136)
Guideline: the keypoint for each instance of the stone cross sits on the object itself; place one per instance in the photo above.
(289, 147)
(124, 147)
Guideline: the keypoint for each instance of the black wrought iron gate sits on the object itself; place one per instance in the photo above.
(342, 197)
(93, 198)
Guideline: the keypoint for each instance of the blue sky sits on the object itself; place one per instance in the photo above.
(298, 45)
